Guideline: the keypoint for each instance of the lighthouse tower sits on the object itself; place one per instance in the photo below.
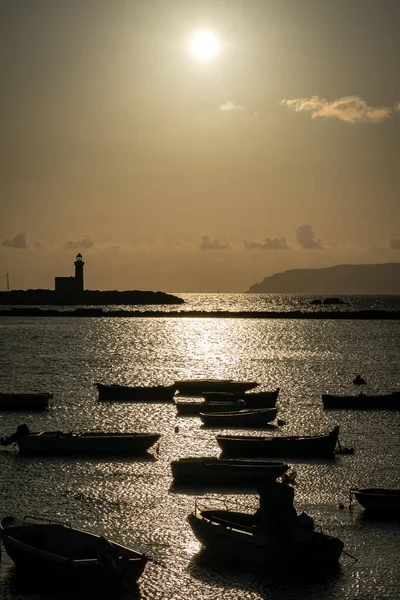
(79, 273)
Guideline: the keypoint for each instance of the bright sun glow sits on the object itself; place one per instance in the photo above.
(204, 45)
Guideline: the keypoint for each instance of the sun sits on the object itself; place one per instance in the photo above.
(204, 45)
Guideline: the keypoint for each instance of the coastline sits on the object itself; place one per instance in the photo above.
(100, 313)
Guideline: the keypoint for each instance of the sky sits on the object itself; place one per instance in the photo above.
(184, 175)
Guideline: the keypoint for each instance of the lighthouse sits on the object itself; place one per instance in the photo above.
(79, 273)
(72, 284)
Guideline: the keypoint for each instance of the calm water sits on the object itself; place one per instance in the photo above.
(132, 501)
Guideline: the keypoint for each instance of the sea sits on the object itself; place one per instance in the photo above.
(134, 501)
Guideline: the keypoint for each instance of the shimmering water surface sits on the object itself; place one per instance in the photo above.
(133, 501)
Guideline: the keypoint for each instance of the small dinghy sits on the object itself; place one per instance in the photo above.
(17, 401)
(87, 442)
(363, 401)
(59, 550)
(218, 471)
(124, 393)
(294, 445)
(240, 418)
(381, 501)
(189, 408)
(252, 399)
(196, 387)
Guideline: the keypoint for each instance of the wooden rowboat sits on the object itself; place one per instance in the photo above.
(17, 401)
(240, 418)
(124, 393)
(188, 408)
(219, 471)
(363, 401)
(88, 442)
(252, 399)
(378, 500)
(196, 387)
(296, 445)
(58, 550)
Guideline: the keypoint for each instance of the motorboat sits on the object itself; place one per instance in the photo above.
(196, 387)
(241, 418)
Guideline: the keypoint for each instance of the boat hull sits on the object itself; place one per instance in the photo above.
(195, 408)
(242, 418)
(122, 393)
(363, 402)
(226, 471)
(95, 443)
(196, 387)
(57, 550)
(252, 399)
(227, 535)
(303, 446)
(26, 402)
(379, 500)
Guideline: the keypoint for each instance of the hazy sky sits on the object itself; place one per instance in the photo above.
(170, 173)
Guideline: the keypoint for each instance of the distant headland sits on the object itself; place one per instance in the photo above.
(341, 279)
(69, 291)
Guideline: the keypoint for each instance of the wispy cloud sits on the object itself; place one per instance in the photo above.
(230, 106)
(85, 241)
(18, 241)
(306, 238)
(208, 243)
(350, 109)
(267, 244)
(394, 244)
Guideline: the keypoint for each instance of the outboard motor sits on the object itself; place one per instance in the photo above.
(21, 430)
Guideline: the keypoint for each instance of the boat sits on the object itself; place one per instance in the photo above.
(378, 500)
(295, 445)
(86, 442)
(58, 550)
(252, 399)
(123, 393)
(234, 535)
(240, 472)
(363, 401)
(18, 401)
(196, 387)
(240, 418)
(188, 408)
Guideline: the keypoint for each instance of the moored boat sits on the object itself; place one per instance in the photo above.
(363, 401)
(87, 442)
(58, 550)
(138, 393)
(378, 500)
(252, 399)
(239, 472)
(234, 535)
(196, 387)
(189, 408)
(307, 445)
(240, 418)
(24, 401)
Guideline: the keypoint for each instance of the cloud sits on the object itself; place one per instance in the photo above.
(350, 109)
(394, 244)
(230, 106)
(397, 107)
(306, 238)
(18, 241)
(84, 242)
(207, 243)
(268, 244)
